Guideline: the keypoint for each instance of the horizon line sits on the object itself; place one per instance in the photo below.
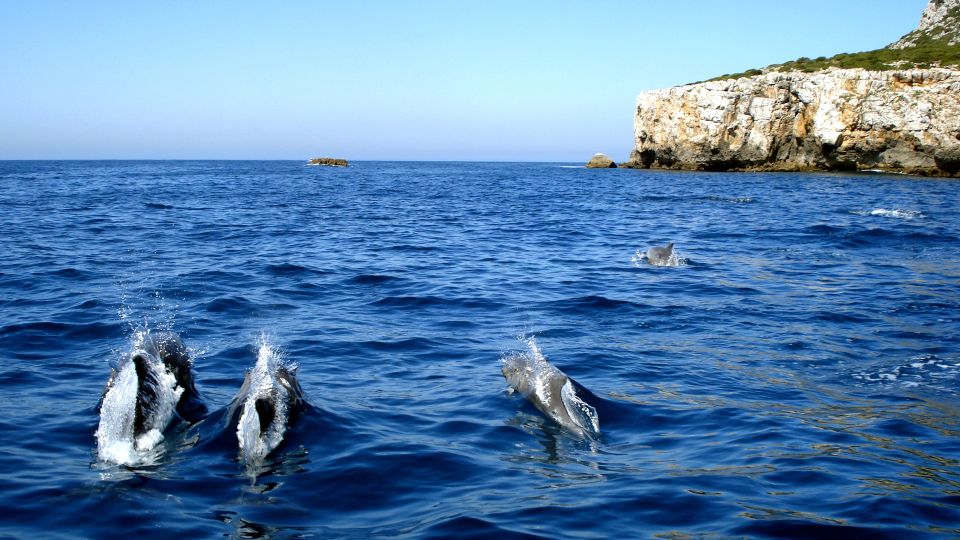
(291, 159)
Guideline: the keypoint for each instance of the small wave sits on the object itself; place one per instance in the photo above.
(471, 527)
(158, 206)
(58, 330)
(429, 300)
(857, 237)
(922, 370)
(880, 236)
(410, 301)
(823, 230)
(891, 213)
(230, 304)
(93, 303)
(70, 273)
(711, 289)
(661, 198)
(875, 232)
(217, 280)
(396, 471)
(733, 200)
(410, 247)
(290, 269)
(372, 279)
(571, 166)
(768, 524)
(411, 344)
(835, 317)
(593, 302)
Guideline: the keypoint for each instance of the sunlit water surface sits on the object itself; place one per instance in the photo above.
(794, 375)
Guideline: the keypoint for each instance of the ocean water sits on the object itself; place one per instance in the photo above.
(795, 373)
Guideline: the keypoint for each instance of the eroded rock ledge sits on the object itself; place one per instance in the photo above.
(899, 121)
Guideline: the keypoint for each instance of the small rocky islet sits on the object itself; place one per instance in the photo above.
(600, 161)
(327, 162)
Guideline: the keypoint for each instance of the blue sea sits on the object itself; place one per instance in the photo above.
(795, 373)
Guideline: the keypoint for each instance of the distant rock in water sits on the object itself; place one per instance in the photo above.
(328, 162)
(601, 161)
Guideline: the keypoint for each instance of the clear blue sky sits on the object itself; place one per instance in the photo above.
(456, 80)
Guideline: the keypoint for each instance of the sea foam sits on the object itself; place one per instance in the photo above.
(897, 213)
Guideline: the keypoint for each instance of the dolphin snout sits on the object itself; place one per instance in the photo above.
(510, 367)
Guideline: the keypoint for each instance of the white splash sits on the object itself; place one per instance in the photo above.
(927, 370)
(734, 200)
(897, 213)
(116, 440)
(254, 445)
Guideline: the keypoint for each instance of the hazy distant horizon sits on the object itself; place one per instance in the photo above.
(306, 158)
(492, 81)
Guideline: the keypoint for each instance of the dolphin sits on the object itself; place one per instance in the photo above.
(269, 400)
(151, 387)
(550, 390)
(660, 256)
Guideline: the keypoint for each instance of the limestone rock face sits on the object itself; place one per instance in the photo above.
(600, 161)
(940, 21)
(904, 121)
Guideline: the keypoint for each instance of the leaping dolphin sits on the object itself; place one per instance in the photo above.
(550, 390)
(150, 388)
(268, 401)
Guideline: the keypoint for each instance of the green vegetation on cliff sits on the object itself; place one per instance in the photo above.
(928, 46)
(924, 55)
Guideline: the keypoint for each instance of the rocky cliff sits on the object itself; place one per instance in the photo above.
(905, 120)
(939, 22)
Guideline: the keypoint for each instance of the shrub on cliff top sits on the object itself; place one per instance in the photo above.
(927, 53)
